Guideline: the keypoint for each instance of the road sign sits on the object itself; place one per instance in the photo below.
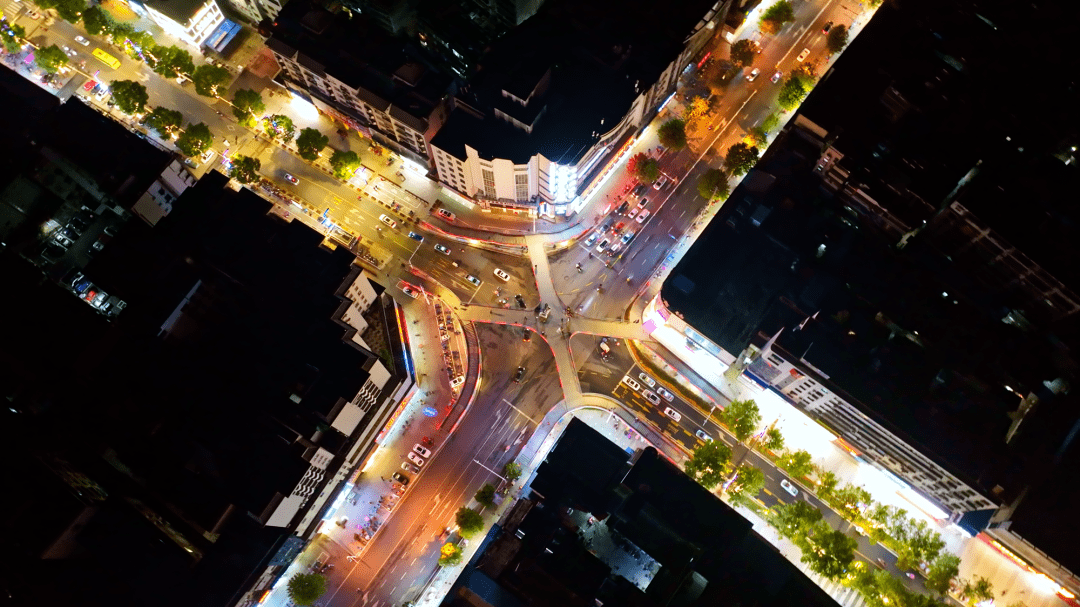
(430, 412)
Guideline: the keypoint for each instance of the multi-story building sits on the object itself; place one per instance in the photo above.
(459, 32)
(554, 103)
(359, 75)
(200, 23)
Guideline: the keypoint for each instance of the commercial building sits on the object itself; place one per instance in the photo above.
(552, 105)
(200, 23)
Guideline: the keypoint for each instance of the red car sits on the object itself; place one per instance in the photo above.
(89, 86)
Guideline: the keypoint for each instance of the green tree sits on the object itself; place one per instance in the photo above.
(172, 61)
(917, 544)
(774, 441)
(245, 169)
(794, 519)
(672, 134)
(776, 16)
(143, 41)
(310, 143)
(130, 96)
(209, 79)
(68, 10)
(12, 37)
(50, 58)
(195, 140)
(797, 464)
(740, 158)
(713, 185)
(165, 121)
(743, 52)
(246, 103)
(741, 417)
(942, 572)
(709, 464)
(793, 92)
(747, 484)
(450, 555)
(850, 500)
(120, 31)
(697, 108)
(826, 485)
(838, 38)
(344, 164)
(648, 170)
(469, 522)
(512, 471)
(279, 127)
(486, 496)
(306, 588)
(96, 21)
(977, 590)
(827, 551)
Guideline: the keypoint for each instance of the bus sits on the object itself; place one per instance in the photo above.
(106, 58)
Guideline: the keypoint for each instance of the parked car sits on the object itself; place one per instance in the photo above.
(673, 414)
(421, 450)
(410, 291)
(62, 240)
(828, 26)
(641, 203)
(651, 396)
(100, 243)
(520, 374)
(503, 276)
(447, 215)
(643, 216)
(668, 396)
(622, 207)
(753, 75)
(407, 467)
(416, 459)
(803, 55)
(631, 382)
(474, 280)
(442, 249)
(603, 245)
(633, 213)
(648, 380)
(660, 183)
(401, 478)
(790, 488)
(703, 436)
(591, 239)
(386, 219)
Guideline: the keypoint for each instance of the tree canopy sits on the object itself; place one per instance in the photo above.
(209, 79)
(741, 417)
(792, 520)
(486, 495)
(709, 464)
(130, 96)
(306, 588)
(172, 61)
(697, 108)
(164, 120)
(740, 158)
(512, 471)
(469, 522)
(50, 58)
(747, 484)
(645, 169)
(794, 90)
(838, 38)
(799, 464)
(344, 163)
(976, 590)
(774, 441)
(827, 551)
(279, 127)
(943, 570)
(672, 134)
(68, 10)
(195, 140)
(743, 52)
(12, 37)
(246, 104)
(449, 555)
(713, 185)
(96, 21)
(310, 143)
(245, 169)
(776, 16)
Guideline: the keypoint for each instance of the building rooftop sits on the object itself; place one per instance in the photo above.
(180, 11)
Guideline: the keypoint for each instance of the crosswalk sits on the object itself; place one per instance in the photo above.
(844, 596)
(11, 9)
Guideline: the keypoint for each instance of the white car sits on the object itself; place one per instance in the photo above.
(591, 239)
(447, 215)
(803, 55)
(291, 179)
(660, 183)
(651, 397)
(633, 212)
(82, 41)
(421, 451)
(416, 459)
(410, 291)
(603, 245)
(703, 436)
(752, 75)
(630, 382)
(673, 414)
(643, 216)
(668, 396)
(503, 276)
(386, 219)
(648, 380)
(472, 279)
(786, 484)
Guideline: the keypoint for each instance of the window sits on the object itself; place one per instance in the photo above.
(521, 185)
(489, 183)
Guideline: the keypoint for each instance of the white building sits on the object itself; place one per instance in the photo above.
(157, 202)
(197, 22)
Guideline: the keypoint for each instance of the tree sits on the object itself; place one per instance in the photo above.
(279, 127)
(776, 16)
(747, 484)
(793, 92)
(792, 520)
(917, 543)
(697, 108)
(120, 31)
(826, 485)
(672, 134)
(743, 52)
(172, 61)
(68, 10)
(96, 21)
(647, 170)
(850, 500)
(12, 37)
(165, 121)
(209, 78)
(310, 143)
(245, 169)
(827, 551)
(977, 590)
(469, 522)
(512, 471)
(50, 58)
(708, 465)
(306, 588)
(246, 103)
(143, 41)
(798, 464)
(486, 496)
(130, 96)
(713, 185)
(449, 555)
(194, 140)
(838, 38)
(942, 572)
(774, 441)
(344, 163)
(740, 158)
(741, 417)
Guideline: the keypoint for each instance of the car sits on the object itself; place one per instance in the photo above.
(640, 189)
(648, 380)
(673, 414)
(777, 76)
(71, 277)
(33, 14)
(790, 488)
(520, 373)
(100, 243)
(407, 467)
(386, 219)
(110, 230)
(660, 183)
(641, 203)
(79, 223)
(643, 216)
(62, 240)
(615, 248)
(828, 26)
(622, 207)
(410, 291)
(619, 226)
(82, 286)
(668, 396)
(416, 237)
(628, 236)
(474, 280)
(591, 239)
(209, 154)
(442, 249)
(401, 478)
(82, 41)
(447, 215)
(416, 459)
(633, 213)
(98, 300)
(520, 300)
(68, 51)
(631, 382)
(651, 396)
(70, 233)
(503, 276)
(291, 179)
(803, 55)
(603, 245)
(607, 225)
(703, 436)
(51, 251)
(421, 450)
(114, 306)
(102, 91)
(89, 86)
(527, 334)
(753, 75)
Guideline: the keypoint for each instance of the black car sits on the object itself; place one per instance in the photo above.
(527, 334)
(640, 189)
(520, 373)
(622, 207)
(401, 478)
(828, 26)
